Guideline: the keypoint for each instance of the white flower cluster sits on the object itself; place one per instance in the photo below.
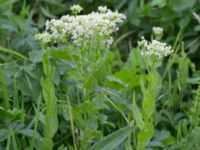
(94, 29)
(102, 9)
(76, 9)
(154, 48)
(44, 37)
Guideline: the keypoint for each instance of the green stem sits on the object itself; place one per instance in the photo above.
(121, 112)
(13, 53)
(8, 143)
(4, 90)
(72, 123)
(14, 142)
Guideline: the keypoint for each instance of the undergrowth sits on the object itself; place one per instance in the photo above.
(76, 93)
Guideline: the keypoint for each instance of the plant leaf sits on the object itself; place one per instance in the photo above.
(113, 140)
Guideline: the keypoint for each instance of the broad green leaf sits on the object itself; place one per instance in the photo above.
(162, 135)
(145, 135)
(51, 123)
(7, 25)
(47, 65)
(4, 133)
(137, 115)
(129, 77)
(10, 114)
(179, 5)
(148, 102)
(35, 56)
(60, 54)
(128, 145)
(115, 82)
(170, 140)
(184, 21)
(48, 91)
(10, 69)
(113, 140)
(44, 144)
(135, 60)
(159, 3)
(30, 133)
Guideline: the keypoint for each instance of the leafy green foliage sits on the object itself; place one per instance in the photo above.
(59, 98)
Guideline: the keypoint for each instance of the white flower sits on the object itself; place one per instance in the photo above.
(154, 48)
(43, 37)
(76, 9)
(86, 31)
(143, 42)
(110, 41)
(102, 9)
(157, 30)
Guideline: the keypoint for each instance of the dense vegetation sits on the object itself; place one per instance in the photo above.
(62, 94)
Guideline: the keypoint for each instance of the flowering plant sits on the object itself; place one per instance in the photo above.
(90, 37)
(83, 31)
(154, 48)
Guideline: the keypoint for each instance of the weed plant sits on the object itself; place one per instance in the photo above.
(75, 93)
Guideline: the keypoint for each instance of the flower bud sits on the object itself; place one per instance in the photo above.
(158, 32)
(76, 9)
